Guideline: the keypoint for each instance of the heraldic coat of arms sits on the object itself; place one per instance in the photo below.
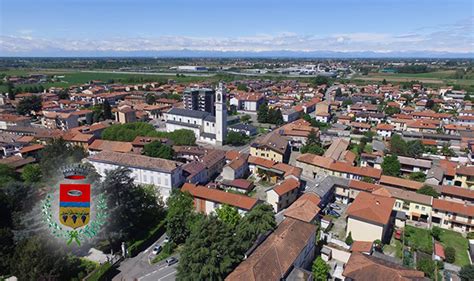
(74, 207)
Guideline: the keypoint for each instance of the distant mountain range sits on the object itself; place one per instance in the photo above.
(245, 54)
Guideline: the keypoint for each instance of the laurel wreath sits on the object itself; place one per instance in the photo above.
(89, 231)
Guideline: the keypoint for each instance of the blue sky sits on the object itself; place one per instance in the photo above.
(33, 26)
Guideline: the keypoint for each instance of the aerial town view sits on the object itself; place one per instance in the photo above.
(239, 140)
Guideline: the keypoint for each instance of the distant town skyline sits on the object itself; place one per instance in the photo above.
(106, 27)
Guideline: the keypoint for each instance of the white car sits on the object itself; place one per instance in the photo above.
(166, 240)
(157, 250)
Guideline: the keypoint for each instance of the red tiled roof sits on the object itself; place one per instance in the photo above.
(453, 207)
(106, 145)
(236, 200)
(31, 148)
(439, 250)
(365, 186)
(457, 191)
(305, 208)
(372, 208)
(399, 182)
(361, 246)
(286, 186)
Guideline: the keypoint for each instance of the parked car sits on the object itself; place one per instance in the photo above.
(171, 261)
(166, 240)
(157, 250)
(398, 234)
(334, 213)
(335, 206)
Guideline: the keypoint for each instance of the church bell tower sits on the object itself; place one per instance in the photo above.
(221, 114)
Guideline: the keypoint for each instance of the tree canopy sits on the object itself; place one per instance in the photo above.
(180, 216)
(320, 269)
(236, 139)
(28, 104)
(391, 166)
(158, 150)
(229, 215)
(428, 190)
(57, 154)
(256, 222)
(31, 173)
(266, 115)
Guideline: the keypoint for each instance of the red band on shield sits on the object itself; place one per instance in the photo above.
(74, 192)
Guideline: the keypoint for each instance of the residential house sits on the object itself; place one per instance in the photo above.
(247, 101)
(464, 177)
(162, 173)
(457, 194)
(290, 246)
(125, 114)
(207, 200)
(245, 129)
(99, 145)
(195, 172)
(283, 194)
(236, 169)
(272, 147)
(400, 183)
(370, 218)
(453, 215)
(385, 130)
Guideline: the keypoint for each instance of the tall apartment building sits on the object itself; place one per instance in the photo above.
(200, 99)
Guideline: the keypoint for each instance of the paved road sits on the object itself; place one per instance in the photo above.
(327, 95)
(163, 272)
(133, 268)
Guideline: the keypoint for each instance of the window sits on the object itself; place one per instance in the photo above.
(423, 208)
(417, 207)
(213, 125)
(194, 122)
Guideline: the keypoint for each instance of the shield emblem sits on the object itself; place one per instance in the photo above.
(74, 204)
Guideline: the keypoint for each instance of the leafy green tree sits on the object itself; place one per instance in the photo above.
(313, 149)
(417, 176)
(447, 151)
(426, 265)
(391, 166)
(31, 173)
(236, 139)
(179, 217)
(56, 154)
(312, 137)
(450, 254)
(36, 258)
(210, 252)
(398, 146)
(150, 98)
(28, 104)
(228, 215)
(63, 94)
(242, 87)
(391, 110)
(123, 199)
(428, 190)
(320, 269)
(347, 102)
(349, 239)
(256, 222)
(7, 174)
(436, 233)
(181, 137)
(107, 110)
(262, 113)
(158, 150)
(415, 148)
(7, 248)
(338, 92)
(275, 116)
(467, 272)
(321, 80)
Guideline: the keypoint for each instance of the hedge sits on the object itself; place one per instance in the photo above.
(140, 245)
(99, 273)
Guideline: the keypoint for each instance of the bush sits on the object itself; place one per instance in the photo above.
(100, 273)
(349, 239)
(450, 254)
(470, 235)
(436, 232)
(426, 265)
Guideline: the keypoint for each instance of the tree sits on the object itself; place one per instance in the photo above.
(7, 174)
(158, 150)
(349, 239)
(426, 265)
(7, 248)
(63, 94)
(181, 137)
(398, 146)
(36, 258)
(313, 149)
(347, 102)
(275, 117)
(450, 254)
(338, 92)
(236, 139)
(245, 118)
(391, 166)
(242, 87)
(436, 233)
(321, 80)
(320, 269)
(123, 199)
(28, 104)
(256, 222)
(428, 190)
(415, 148)
(228, 215)
(467, 272)
(150, 98)
(430, 104)
(31, 173)
(384, 82)
(107, 110)
(57, 154)
(179, 216)
(447, 151)
(262, 113)
(210, 252)
(391, 110)
(417, 176)
(312, 137)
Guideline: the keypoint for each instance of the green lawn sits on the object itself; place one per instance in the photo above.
(458, 242)
(418, 239)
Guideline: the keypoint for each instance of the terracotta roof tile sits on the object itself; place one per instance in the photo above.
(286, 186)
(372, 208)
(236, 200)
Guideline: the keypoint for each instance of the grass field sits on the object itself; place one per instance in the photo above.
(458, 242)
(444, 77)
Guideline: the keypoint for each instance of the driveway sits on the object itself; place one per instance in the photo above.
(138, 266)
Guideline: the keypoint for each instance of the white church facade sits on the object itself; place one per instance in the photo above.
(207, 128)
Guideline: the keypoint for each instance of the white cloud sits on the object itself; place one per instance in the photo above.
(450, 38)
